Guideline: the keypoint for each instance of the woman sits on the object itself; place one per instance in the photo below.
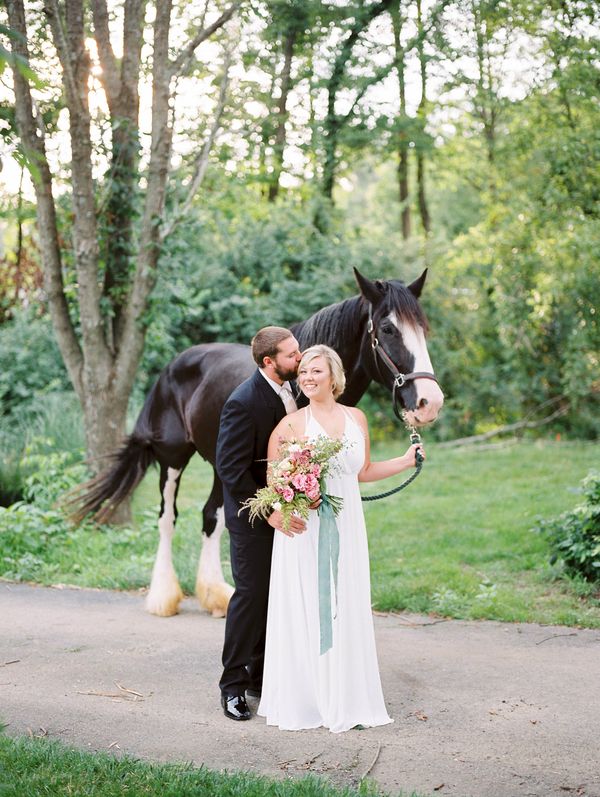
(341, 688)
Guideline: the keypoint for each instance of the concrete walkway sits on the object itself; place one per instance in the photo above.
(481, 709)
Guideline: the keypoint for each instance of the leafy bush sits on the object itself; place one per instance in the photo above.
(30, 362)
(575, 536)
(45, 424)
(28, 527)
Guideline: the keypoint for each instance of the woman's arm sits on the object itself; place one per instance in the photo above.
(290, 427)
(374, 471)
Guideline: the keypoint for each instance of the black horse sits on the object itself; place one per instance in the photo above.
(379, 335)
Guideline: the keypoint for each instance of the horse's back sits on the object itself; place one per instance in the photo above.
(200, 380)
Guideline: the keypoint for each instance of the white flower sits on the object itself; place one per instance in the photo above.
(284, 466)
(294, 447)
(276, 506)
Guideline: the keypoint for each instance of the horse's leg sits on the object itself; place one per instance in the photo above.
(211, 588)
(165, 593)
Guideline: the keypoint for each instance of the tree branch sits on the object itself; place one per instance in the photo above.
(31, 131)
(70, 45)
(181, 62)
(201, 161)
(513, 427)
(110, 74)
(130, 341)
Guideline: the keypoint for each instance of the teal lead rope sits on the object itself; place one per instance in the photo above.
(415, 439)
(329, 551)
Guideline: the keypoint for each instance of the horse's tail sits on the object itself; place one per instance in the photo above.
(102, 494)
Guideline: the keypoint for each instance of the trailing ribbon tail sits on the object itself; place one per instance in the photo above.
(329, 551)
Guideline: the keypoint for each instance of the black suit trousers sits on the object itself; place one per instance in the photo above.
(246, 624)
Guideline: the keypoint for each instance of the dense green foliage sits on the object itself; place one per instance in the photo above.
(36, 767)
(574, 536)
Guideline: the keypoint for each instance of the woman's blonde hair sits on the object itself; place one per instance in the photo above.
(336, 369)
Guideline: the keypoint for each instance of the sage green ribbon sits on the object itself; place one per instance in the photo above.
(329, 551)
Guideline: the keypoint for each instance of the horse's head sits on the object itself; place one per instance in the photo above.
(395, 339)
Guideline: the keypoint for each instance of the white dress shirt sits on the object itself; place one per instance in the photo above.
(284, 392)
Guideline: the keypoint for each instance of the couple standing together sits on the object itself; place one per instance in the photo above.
(275, 655)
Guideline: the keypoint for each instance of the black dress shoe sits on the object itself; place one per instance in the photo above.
(235, 707)
(254, 691)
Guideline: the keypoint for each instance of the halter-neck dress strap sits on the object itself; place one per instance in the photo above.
(352, 419)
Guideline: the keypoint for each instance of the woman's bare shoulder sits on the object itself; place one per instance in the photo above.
(291, 425)
(357, 414)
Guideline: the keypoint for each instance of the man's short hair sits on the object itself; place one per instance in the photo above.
(266, 343)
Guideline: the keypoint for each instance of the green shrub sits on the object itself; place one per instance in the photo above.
(574, 536)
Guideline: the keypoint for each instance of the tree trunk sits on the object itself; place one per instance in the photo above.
(102, 358)
(403, 138)
(333, 122)
(422, 116)
(281, 117)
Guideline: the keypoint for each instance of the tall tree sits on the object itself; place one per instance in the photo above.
(291, 20)
(422, 117)
(362, 17)
(115, 256)
(403, 122)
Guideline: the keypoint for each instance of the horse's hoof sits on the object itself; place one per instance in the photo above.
(214, 597)
(164, 606)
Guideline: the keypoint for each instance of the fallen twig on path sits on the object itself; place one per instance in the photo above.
(409, 623)
(554, 636)
(6, 663)
(129, 691)
(310, 761)
(373, 762)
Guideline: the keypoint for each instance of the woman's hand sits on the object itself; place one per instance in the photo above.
(297, 524)
(411, 455)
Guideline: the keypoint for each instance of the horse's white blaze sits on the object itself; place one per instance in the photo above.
(211, 588)
(165, 593)
(429, 395)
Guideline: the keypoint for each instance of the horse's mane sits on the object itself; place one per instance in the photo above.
(331, 325)
(336, 323)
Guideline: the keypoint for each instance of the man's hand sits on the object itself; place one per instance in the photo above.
(297, 525)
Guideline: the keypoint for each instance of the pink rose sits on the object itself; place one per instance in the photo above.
(312, 495)
(316, 470)
(311, 483)
(288, 494)
(299, 481)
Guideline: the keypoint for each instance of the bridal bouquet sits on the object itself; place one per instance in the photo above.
(296, 479)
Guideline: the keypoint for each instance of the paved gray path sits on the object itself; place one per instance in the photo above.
(481, 709)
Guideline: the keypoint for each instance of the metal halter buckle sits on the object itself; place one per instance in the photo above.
(399, 381)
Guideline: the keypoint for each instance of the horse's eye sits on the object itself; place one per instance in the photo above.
(388, 329)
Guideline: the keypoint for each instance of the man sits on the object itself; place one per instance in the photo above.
(249, 416)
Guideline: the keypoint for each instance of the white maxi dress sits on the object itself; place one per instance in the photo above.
(341, 688)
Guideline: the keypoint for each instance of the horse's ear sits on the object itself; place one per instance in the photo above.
(417, 286)
(372, 291)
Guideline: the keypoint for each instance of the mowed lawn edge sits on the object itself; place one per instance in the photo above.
(40, 767)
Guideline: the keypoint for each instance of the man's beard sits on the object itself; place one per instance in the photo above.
(284, 375)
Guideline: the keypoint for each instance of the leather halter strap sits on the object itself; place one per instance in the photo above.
(400, 379)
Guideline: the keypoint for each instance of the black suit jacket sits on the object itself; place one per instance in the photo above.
(249, 416)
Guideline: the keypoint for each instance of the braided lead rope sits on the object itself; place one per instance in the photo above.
(415, 438)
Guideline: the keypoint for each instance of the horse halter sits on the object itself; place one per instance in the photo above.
(400, 379)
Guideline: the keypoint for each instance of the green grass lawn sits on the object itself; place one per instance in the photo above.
(457, 542)
(43, 768)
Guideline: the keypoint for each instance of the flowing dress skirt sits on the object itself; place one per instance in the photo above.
(341, 688)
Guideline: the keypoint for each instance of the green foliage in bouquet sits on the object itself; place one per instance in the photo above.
(296, 479)
(574, 536)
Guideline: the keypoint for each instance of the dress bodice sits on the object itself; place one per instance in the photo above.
(352, 456)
